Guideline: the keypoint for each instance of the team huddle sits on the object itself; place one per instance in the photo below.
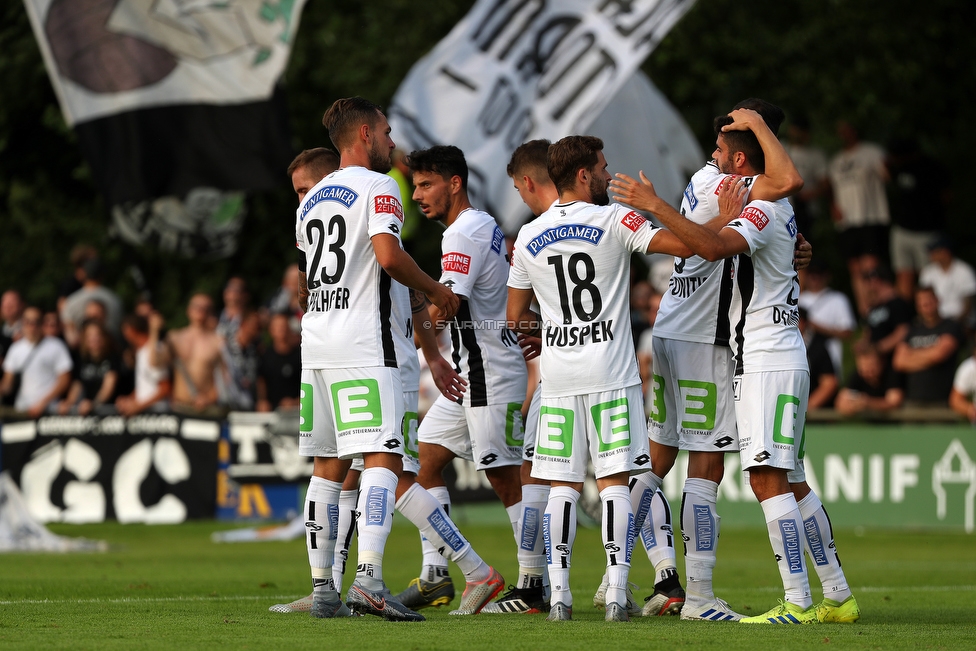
(730, 372)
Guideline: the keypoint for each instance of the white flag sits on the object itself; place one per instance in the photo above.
(511, 71)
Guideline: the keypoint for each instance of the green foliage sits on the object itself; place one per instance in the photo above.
(893, 66)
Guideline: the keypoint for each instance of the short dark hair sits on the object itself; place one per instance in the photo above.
(318, 160)
(568, 155)
(746, 141)
(529, 159)
(445, 160)
(346, 115)
(137, 322)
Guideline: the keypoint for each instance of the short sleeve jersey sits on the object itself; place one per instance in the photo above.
(857, 176)
(575, 257)
(474, 263)
(965, 379)
(406, 351)
(765, 336)
(349, 322)
(696, 306)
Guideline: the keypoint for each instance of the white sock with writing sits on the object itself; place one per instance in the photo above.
(618, 541)
(376, 499)
(434, 565)
(700, 528)
(321, 524)
(348, 502)
(783, 522)
(818, 539)
(559, 532)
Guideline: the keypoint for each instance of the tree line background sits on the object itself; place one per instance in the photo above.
(891, 67)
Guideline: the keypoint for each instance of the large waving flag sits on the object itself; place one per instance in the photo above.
(176, 107)
(515, 70)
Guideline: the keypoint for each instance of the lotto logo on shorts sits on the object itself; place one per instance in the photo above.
(756, 216)
(555, 432)
(386, 203)
(456, 262)
(356, 404)
(633, 220)
(305, 415)
(612, 420)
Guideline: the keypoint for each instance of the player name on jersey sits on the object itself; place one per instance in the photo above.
(328, 299)
(566, 336)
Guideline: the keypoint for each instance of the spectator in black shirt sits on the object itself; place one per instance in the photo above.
(872, 388)
(95, 373)
(889, 317)
(823, 376)
(927, 357)
(280, 371)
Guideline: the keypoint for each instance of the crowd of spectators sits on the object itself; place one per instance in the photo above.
(87, 356)
(905, 318)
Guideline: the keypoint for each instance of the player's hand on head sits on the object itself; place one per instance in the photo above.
(451, 385)
(732, 197)
(802, 252)
(636, 194)
(742, 120)
(531, 346)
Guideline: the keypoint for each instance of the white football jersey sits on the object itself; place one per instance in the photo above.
(485, 352)
(696, 306)
(576, 258)
(765, 334)
(406, 350)
(350, 321)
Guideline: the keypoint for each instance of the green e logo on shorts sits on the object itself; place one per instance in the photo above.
(305, 415)
(612, 421)
(779, 436)
(356, 403)
(410, 444)
(514, 427)
(555, 432)
(699, 404)
(659, 411)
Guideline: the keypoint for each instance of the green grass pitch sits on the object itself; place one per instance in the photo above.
(169, 587)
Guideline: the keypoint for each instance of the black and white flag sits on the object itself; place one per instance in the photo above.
(176, 106)
(516, 70)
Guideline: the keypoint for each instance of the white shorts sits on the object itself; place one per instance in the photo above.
(910, 249)
(411, 455)
(490, 436)
(771, 411)
(691, 405)
(411, 458)
(346, 412)
(607, 428)
(532, 424)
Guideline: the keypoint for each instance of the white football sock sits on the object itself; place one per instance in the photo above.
(657, 536)
(376, 499)
(321, 524)
(618, 540)
(434, 565)
(532, 548)
(348, 501)
(783, 524)
(700, 527)
(819, 542)
(426, 513)
(559, 532)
